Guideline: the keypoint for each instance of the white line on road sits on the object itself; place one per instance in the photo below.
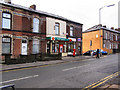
(19, 79)
(74, 68)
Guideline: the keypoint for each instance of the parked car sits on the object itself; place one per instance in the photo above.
(103, 52)
(89, 52)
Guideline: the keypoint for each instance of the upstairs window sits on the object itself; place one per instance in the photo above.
(57, 28)
(71, 31)
(36, 25)
(112, 37)
(6, 21)
(106, 35)
(116, 38)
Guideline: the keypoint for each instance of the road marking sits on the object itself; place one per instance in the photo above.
(74, 68)
(19, 79)
(96, 84)
(37, 66)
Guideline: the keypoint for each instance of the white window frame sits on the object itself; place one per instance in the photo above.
(71, 31)
(6, 20)
(110, 45)
(36, 22)
(112, 37)
(104, 45)
(36, 44)
(57, 28)
(116, 38)
(6, 41)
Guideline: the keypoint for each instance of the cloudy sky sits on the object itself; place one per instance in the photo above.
(82, 11)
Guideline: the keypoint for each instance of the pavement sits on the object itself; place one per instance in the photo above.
(64, 59)
(42, 63)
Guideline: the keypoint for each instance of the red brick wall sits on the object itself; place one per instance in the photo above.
(16, 47)
(76, 34)
(17, 22)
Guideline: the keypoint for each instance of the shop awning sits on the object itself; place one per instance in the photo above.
(57, 38)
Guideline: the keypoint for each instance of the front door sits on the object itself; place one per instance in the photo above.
(24, 47)
(61, 48)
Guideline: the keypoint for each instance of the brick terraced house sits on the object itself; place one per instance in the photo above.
(101, 37)
(27, 31)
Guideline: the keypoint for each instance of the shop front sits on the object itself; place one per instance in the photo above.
(57, 45)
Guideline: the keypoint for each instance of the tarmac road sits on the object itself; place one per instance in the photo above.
(76, 74)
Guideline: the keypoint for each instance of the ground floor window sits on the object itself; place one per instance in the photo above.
(59, 47)
(53, 47)
(6, 45)
(79, 45)
(116, 46)
(48, 46)
(71, 46)
(56, 48)
(35, 46)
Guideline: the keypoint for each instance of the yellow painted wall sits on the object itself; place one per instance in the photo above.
(95, 40)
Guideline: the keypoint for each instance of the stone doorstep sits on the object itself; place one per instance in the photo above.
(115, 86)
(109, 86)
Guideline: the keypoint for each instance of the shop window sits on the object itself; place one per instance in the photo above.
(6, 45)
(71, 31)
(56, 48)
(79, 46)
(53, 47)
(57, 27)
(48, 47)
(70, 47)
(116, 46)
(79, 49)
(6, 21)
(36, 25)
(64, 48)
(35, 46)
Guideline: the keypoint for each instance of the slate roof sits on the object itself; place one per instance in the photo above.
(98, 27)
(38, 11)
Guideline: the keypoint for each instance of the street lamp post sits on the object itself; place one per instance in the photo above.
(100, 23)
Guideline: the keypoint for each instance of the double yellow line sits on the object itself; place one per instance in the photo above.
(96, 84)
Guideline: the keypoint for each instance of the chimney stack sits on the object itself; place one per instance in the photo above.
(104, 26)
(112, 28)
(33, 7)
(7, 1)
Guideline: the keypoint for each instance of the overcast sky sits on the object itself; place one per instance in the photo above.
(82, 11)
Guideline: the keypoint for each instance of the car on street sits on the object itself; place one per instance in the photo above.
(104, 52)
(88, 53)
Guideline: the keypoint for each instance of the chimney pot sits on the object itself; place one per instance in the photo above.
(7, 1)
(104, 26)
(33, 7)
(112, 28)
(100, 25)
